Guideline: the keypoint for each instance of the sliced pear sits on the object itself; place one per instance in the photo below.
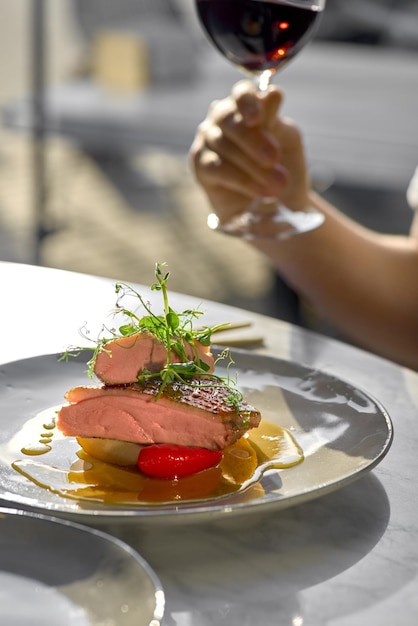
(111, 450)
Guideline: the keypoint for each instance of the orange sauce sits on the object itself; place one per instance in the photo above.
(72, 473)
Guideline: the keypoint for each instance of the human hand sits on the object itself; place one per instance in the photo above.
(244, 150)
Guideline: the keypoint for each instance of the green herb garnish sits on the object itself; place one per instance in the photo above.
(173, 330)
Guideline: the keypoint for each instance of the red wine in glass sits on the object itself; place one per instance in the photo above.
(260, 37)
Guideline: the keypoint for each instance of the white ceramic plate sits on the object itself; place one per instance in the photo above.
(51, 567)
(343, 432)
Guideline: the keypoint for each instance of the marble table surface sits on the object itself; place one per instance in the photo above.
(348, 558)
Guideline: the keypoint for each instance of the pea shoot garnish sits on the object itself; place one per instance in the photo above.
(174, 331)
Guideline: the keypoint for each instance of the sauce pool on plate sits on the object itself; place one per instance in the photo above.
(68, 470)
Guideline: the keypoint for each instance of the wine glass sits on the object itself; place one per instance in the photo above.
(261, 37)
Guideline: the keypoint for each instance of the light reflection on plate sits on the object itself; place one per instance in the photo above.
(342, 430)
(51, 567)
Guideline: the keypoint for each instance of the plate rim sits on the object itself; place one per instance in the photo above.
(66, 524)
(195, 510)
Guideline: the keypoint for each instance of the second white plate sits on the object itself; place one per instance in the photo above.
(56, 572)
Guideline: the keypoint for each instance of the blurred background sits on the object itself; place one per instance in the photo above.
(99, 102)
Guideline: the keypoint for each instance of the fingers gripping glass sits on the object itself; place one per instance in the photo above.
(260, 37)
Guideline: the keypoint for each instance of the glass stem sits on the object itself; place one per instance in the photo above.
(263, 80)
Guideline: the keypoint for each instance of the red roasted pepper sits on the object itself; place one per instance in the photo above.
(169, 461)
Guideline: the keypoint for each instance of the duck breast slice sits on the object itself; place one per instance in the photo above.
(196, 414)
(122, 360)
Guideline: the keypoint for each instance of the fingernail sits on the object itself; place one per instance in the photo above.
(268, 153)
(269, 150)
(275, 179)
(250, 110)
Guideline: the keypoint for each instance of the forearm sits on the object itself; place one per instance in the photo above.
(366, 284)
(363, 282)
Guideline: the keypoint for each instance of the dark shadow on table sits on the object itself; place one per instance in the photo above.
(279, 554)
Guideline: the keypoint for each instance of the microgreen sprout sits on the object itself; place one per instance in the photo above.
(174, 330)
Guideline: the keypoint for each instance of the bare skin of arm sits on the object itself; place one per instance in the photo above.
(364, 282)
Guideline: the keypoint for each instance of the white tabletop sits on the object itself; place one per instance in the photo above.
(346, 559)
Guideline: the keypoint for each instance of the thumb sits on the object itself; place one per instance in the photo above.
(272, 101)
(255, 107)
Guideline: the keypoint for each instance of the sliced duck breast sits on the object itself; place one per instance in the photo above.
(122, 360)
(195, 414)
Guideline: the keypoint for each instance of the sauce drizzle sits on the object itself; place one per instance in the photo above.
(72, 473)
